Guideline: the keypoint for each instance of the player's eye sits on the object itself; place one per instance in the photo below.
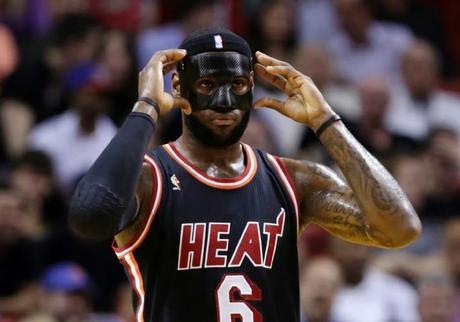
(240, 86)
(204, 86)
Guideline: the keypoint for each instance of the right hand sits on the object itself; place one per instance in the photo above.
(151, 80)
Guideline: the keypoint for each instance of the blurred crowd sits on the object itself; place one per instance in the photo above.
(68, 78)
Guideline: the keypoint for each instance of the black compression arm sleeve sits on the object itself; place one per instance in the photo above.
(104, 200)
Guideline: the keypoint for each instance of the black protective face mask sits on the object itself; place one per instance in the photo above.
(223, 67)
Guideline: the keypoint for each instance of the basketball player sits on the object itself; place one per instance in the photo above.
(206, 226)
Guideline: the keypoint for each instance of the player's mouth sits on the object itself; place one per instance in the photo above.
(223, 121)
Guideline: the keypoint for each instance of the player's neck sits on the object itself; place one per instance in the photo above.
(228, 161)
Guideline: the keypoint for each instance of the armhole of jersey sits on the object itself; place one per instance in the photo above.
(288, 183)
(154, 204)
(137, 283)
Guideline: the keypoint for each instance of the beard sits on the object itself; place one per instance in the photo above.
(209, 138)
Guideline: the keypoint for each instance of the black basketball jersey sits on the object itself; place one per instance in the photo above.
(216, 250)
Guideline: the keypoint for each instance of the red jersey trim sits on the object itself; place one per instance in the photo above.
(137, 283)
(219, 183)
(154, 204)
(280, 168)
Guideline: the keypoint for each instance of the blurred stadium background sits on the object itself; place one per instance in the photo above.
(68, 77)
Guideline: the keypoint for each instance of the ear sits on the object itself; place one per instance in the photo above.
(175, 84)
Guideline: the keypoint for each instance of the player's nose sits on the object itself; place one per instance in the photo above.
(222, 97)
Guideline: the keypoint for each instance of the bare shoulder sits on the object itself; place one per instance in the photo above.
(311, 176)
(313, 180)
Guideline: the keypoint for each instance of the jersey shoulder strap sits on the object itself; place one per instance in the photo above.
(278, 168)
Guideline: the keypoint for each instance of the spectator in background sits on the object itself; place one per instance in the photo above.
(423, 19)
(370, 128)
(61, 8)
(66, 296)
(16, 118)
(418, 104)
(436, 298)
(33, 19)
(369, 294)
(273, 32)
(320, 280)
(76, 137)
(442, 167)
(124, 303)
(451, 241)
(9, 55)
(364, 48)
(39, 79)
(316, 61)
(317, 21)
(192, 15)
(274, 29)
(410, 172)
(431, 180)
(416, 177)
(32, 175)
(118, 14)
(118, 57)
(19, 255)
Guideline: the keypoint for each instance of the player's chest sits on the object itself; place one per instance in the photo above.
(226, 229)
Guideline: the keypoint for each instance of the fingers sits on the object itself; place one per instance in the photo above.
(151, 76)
(266, 60)
(287, 71)
(275, 80)
(183, 104)
(278, 70)
(270, 102)
(168, 56)
(169, 102)
(278, 81)
(168, 67)
(164, 61)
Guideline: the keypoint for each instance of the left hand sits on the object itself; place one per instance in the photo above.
(304, 104)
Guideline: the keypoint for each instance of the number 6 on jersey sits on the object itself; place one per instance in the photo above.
(230, 309)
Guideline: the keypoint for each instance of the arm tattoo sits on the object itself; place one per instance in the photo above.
(375, 205)
(339, 213)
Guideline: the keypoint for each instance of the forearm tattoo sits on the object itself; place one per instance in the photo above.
(380, 204)
(371, 182)
(339, 213)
